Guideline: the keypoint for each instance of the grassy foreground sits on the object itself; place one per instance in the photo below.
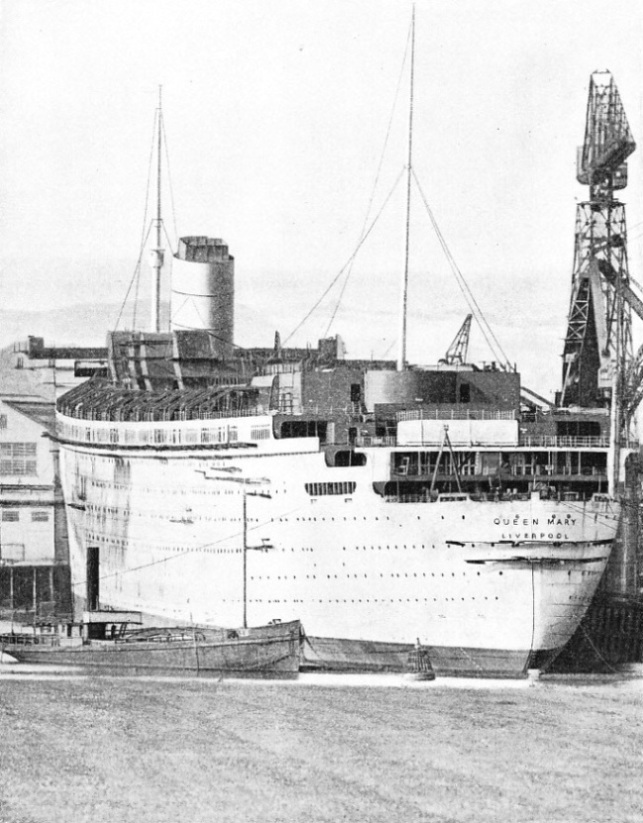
(112, 750)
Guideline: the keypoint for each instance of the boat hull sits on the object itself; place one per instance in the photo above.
(269, 653)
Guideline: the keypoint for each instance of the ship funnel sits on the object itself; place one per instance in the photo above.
(203, 289)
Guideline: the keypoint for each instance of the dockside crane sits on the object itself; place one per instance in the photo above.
(597, 354)
(457, 351)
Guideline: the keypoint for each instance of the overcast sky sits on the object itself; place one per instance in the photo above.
(276, 115)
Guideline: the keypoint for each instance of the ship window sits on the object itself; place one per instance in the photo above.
(205, 435)
(233, 435)
(317, 489)
(304, 428)
(347, 457)
(3, 421)
(10, 516)
(489, 462)
(578, 428)
(260, 433)
(39, 517)
(159, 436)
(465, 393)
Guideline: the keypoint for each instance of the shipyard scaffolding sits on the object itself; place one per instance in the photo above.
(599, 367)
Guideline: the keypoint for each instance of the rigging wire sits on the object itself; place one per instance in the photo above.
(144, 235)
(464, 286)
(135, 279)
(377, 178)
(350, 259)
(171, 188)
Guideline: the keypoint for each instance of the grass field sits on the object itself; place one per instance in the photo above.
(111, 750)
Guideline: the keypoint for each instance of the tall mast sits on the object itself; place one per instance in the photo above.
(156, 254)
(401, 360)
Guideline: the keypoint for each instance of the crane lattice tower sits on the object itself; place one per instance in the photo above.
(599, 330)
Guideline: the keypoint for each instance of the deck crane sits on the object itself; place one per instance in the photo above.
(457, 351)
(599, 333)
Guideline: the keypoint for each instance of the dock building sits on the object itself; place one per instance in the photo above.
(34, 550)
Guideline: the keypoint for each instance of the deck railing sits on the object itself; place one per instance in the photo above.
(456, 414)
(524, 442)
(554, 442)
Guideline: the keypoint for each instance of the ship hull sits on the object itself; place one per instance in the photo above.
(488, 586)
(336, 655)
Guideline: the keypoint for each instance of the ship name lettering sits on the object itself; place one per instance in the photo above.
(517, 521)
(534, 536)
(560, 521)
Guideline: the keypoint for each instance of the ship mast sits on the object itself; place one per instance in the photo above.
(157, 253)
(401, 360)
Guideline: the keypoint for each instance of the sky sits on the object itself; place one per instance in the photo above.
(287, 129)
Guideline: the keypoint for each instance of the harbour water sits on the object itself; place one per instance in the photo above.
(324, 748)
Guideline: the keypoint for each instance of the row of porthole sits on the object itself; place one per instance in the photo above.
(322, 519)
(101, 538)
(106, 484)
(154, 490)
(348, 576)
(101, 512)
(413, 546)
(379, 548)
(124, 543)
(366, 600)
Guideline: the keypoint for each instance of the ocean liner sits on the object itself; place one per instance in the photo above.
(379, 503)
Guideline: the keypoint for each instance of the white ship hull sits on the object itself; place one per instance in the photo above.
(490, 587)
